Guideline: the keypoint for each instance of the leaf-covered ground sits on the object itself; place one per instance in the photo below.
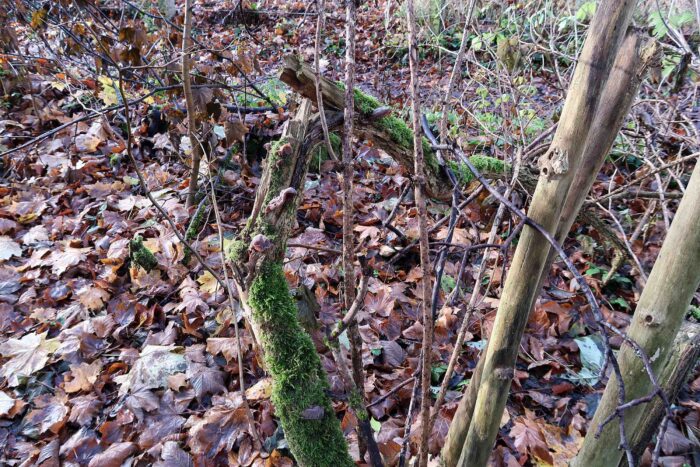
(106, 364)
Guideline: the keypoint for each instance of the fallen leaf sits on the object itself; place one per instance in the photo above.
(9, 248)
(152, 369)
(60, 261)
(260, 390)
(113, 456)
(9, 407)
(29, 355)
(83, 376)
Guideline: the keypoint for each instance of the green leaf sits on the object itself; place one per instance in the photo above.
(437, 372)
(448, 284)
(593, 270)
(375, 424)
(621, 302)
(694, 312)
(586, 11)
(656, 22)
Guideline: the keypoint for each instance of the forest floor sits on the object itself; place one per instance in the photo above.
(104, 363)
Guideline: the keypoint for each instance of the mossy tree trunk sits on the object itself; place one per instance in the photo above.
(655, 324)
(558, 168)
(299, 384)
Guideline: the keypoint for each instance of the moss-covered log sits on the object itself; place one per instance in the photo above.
(299, 384)
(378, 123)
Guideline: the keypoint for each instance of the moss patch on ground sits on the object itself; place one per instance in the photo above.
(140, 255)
(486, 165)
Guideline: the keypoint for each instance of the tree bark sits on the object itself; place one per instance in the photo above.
(189, 102)
(419, 185)
(558, 167)
(655, 324)
(620, 91)
(298, 380)
(618, 95)
(674, 374)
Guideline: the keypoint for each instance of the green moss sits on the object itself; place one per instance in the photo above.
(237, 250)
(397, 129)
(364, 103)
(196, 223)
(140, 255)
(274, 158)
(486, 165)
(358, 405)
(299, 382)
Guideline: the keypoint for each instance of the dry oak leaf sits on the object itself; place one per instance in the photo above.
(9, 248)
(36, 234)
(173, 456)
(113, 456)
(529, 439)
(29, 354)
(84, 409)
(50, 414)
(260, 390)
(152, 369)
(220, 426)
(226, 346)
(83, 376)
(208, 283)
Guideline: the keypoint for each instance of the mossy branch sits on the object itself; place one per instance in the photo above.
(381, 125)
(299, 384)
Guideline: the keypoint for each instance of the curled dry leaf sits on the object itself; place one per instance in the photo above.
(83, 376)
(152, 369)
(113, 456)
(61, 261)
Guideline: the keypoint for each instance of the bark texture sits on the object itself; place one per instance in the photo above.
(557, 168)
(419, 184)
(621, 88)
(189, 102)
(618, 95)
(674, 374)
(655, 324)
